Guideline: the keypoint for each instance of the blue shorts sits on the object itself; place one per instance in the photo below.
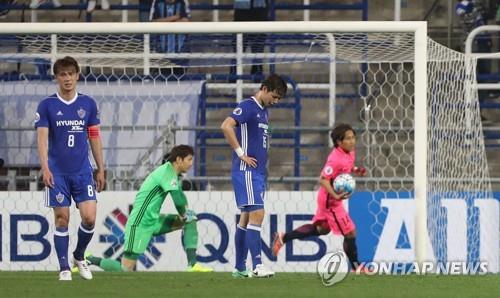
(79, 187)
(249, 189)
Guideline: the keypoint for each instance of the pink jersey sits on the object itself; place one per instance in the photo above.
(338, 162)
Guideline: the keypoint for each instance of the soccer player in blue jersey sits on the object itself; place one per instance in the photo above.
(66, 123)
(246, 130)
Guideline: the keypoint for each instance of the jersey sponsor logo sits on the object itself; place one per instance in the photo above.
(60, 197)
(37, 117)
(59, 113)
(258, 115)
(70, 123)
(328, 170)
(237, 111)
(81, 113)
(173, 183)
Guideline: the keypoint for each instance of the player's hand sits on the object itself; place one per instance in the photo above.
(360, 171)
(100, 181)
(251, 161)
(341, 196)
(48, 179)
(190, 216)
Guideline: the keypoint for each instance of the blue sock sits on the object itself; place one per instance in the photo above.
(61, 241)
(85, 234)
(254, 244)
(241, 248)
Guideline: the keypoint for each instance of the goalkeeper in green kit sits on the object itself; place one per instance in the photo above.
(145, 220)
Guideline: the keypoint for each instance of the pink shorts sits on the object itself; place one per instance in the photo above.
(338, 219)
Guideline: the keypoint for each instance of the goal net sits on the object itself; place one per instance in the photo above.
(152, 97)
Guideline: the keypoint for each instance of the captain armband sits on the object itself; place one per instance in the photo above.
(93, 132)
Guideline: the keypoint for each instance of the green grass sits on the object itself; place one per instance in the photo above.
(180, 284)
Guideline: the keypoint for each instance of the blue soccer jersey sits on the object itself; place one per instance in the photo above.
(68, 122)
(252, 134)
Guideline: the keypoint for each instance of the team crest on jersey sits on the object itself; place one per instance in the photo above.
(237, 111)
(328, 170)
(37, 117)
(81, 113)
(60, 197)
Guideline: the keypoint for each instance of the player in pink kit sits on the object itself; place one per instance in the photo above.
(330, 212)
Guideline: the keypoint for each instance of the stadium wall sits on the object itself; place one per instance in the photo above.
(385, 223)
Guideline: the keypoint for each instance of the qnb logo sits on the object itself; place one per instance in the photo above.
(333, 268)
(115, 223)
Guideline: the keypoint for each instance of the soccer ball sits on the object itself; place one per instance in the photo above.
(344, 183)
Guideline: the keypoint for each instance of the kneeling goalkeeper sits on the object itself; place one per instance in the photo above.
(145, 220)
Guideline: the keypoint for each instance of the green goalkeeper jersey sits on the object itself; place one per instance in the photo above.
(148, 201)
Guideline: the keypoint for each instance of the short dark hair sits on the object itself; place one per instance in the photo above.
(275, 83)
(181, 151)
(338, 133)
(65, 62)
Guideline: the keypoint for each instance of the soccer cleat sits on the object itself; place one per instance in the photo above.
(261, 271)
(91, 6)
(241, 274)
(199, 268)
(361, 270)
(75, 267)
(65, 275)
(277, 242)
(83, 269)
(105, 5)
(36, 3)
(56, 3)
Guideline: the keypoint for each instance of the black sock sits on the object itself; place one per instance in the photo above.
(301, 232)
(351, 251)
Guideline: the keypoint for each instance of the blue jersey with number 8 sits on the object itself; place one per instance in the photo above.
(67, 122)
(252, 132)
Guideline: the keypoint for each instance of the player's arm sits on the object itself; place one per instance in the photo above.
(43, 154)
(227, 128)
(180, 202)
(325, 183)
(96, 147)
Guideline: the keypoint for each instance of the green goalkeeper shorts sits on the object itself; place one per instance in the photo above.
(137, 238)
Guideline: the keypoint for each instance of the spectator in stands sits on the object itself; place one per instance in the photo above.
(5, 11)
(252, 11)
(497, 18)
(472, 15)
(144, 10)
(36, 3)
(171, 11)
(92, 4)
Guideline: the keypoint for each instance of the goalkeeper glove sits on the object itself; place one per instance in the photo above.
(360, 171)
(190, 215)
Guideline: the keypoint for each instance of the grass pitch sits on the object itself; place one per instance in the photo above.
(180, 284)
